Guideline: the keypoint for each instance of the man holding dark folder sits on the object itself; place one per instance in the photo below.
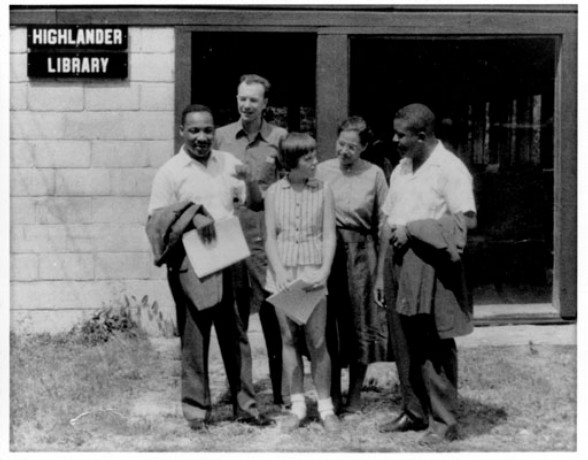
(194, 188)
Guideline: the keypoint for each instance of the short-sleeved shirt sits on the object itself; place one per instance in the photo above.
(359, 194)
(260, 154)
(442, 185)
(299, 222)
(182, 178)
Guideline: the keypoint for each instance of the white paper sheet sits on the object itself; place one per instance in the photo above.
(228, 247)
(296, 302)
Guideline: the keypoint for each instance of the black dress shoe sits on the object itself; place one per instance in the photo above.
(403, 422)
(255, 420)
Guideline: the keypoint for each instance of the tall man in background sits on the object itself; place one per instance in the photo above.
(256, 143)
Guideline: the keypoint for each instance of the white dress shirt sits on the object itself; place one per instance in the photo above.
(182, 178)
(442, 185)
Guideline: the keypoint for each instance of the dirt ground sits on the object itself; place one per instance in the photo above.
(513, 407)
(380, 377)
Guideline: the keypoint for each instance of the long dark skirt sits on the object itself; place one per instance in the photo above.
(356, 325)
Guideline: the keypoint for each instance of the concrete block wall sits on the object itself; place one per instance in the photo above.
(82, 158)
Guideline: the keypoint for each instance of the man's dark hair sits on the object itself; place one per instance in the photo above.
(251, 78)
(419, 118)
(195, 108)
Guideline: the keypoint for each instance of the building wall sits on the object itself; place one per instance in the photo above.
(83, 154)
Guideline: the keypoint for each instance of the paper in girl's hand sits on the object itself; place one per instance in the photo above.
(296, 301)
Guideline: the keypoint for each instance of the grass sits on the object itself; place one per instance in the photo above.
(123, 395)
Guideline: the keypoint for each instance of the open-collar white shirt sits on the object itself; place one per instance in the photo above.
(442, 185)
(182, 178)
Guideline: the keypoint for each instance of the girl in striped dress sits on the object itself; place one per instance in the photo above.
(300, 223)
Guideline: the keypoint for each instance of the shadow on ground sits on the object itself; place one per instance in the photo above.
(476, 418)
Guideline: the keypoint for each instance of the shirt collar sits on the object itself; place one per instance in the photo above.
(433, 160)
(312, 183)
(265, 130)
(186, 159)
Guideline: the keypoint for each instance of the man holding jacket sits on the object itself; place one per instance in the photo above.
(429, 207)
(191, 190)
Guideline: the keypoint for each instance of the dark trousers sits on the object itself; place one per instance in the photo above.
(426, 364)
(432, 370)
(249, 278)
(411, 402)
(273, 341)
(195, 329)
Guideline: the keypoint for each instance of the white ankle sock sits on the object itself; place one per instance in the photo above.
(325, 407)
(298, 405)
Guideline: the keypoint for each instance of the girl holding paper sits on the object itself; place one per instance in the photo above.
(300, 244)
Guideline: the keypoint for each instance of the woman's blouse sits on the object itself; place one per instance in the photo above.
(359, 194)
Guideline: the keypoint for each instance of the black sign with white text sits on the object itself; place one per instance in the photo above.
(77, 52)
(82, 37)
(90, 64)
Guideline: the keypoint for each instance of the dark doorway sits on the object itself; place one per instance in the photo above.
(287, 60)
(494, 100)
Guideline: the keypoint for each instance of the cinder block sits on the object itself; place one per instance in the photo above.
(18, 96)
(57, 306)
(93, 125)
(85, 295)
(34, 239)
(155, 272)
(66, 266)
(155, 290)
(32, 182)
(18, 67)
(155, 40)
(37, 125)
(148, 125)
(152, 67)
(82, 182)
(22, 154)
(23, 210)
(126, 265)
(63, 210)
(119, 154)
(118, 125)
(59, 295)
(18, 40)
(157, 96)
(24, 267)
(56, 97)
(132, 182)
(43, 321)
(107, 238)
(112, 96)
(134, 40)
(62, 154)
(120, 210)
(159, 152)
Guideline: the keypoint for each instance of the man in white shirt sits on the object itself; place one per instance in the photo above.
(215, 180)
(429, 207)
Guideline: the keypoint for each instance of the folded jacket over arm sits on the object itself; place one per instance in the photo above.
(165, 227)
(432, 278)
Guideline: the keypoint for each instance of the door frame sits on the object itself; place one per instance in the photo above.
(332, 92)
